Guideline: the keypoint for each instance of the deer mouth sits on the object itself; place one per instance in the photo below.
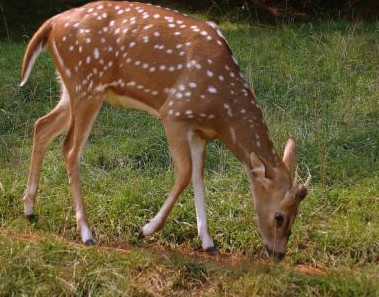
(277, 256)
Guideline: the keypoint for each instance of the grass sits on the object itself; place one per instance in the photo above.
(318, 82)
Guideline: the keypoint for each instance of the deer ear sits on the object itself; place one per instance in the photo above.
(289, 155)
(258, 168)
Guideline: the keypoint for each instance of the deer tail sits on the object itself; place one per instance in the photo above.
(37, 44)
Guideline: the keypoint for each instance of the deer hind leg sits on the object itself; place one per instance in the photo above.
(177, 136)
(197, 146)
(46, 129)
(82, 118)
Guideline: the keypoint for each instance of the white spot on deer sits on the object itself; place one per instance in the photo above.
(171, 25)
(152, 69)
(156, 34)
(133, 43)
(162, 67)
(156, 16)
(100, 7)
(145, 39)
(212, 90)
(193, 85)
(68, 72)
(209, 73)
(88, 59)
(96, 53)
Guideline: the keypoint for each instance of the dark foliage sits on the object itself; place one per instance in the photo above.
(20, 18)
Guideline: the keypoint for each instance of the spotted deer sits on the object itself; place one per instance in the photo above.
(178, 69)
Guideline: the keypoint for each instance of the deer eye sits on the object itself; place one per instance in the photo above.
(278, 219)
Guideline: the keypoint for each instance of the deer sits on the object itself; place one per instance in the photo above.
(180, 70)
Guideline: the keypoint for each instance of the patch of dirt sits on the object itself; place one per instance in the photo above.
(307, 269)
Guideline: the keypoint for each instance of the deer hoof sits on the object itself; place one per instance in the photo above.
(33, 218)
(89, 242)
(141, 235)
(212, 250)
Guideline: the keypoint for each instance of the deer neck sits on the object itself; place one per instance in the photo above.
(246, 132)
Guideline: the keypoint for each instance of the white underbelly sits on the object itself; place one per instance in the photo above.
(128, 102)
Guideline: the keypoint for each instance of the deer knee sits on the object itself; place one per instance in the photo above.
(39, 126)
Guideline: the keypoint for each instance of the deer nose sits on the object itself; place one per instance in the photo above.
(278, 256)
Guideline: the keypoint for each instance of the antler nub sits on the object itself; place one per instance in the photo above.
(309, 179)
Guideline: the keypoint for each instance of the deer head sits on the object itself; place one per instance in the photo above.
(276, 199)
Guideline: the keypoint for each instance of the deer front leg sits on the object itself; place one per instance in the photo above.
(82, 119)
(45, 130)
(198, 155)
(181, 156)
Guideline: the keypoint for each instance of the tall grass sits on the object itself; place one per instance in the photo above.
(318, 82)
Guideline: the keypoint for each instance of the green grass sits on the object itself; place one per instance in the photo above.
(318, 82)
